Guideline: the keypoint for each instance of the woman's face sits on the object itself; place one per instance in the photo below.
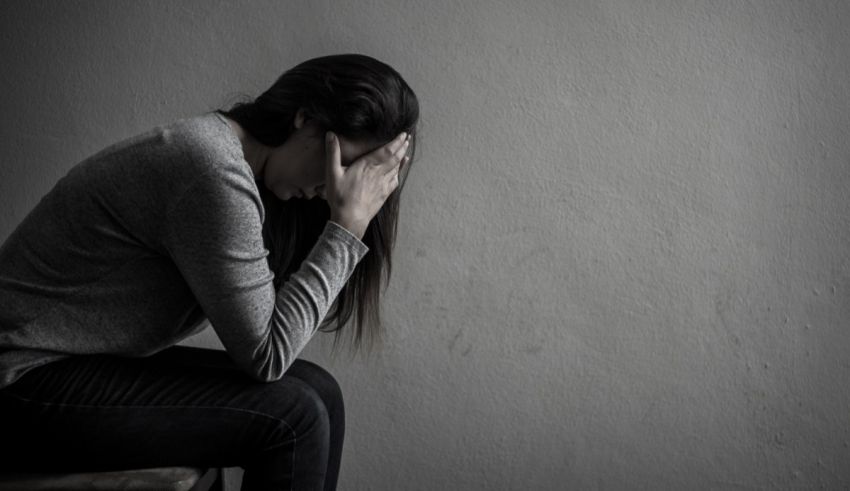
(296, 169)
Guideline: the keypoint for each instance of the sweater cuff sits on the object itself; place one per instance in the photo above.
(337, 231)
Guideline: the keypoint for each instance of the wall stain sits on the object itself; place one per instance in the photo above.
(532, 349)
(454, 340)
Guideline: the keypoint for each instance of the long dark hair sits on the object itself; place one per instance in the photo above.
(357, 97)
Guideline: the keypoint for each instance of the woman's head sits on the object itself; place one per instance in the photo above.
(366, 103)
(355, 96)
(297, 168)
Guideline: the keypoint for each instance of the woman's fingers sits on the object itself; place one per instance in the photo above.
(397, 143)
(402, 149)
(404, 161)
(390, 154)
(356, 193)
(333, 156)
(394, 161)
(394, 176)
(401, 158)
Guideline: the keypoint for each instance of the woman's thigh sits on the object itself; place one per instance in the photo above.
(182, 406)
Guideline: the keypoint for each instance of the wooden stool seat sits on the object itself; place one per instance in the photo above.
(159, 479)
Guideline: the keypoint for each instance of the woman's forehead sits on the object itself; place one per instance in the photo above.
(352, 149)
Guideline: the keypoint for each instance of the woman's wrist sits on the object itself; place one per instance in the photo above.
(356, 229)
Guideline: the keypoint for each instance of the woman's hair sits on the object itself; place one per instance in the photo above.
(356, 97)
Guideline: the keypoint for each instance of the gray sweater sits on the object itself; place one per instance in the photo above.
(138, 244)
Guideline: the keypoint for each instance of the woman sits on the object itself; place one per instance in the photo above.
(271, 220)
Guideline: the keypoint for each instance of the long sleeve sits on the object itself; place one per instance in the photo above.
(214, 236)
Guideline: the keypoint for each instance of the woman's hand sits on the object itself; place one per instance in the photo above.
(356, 193)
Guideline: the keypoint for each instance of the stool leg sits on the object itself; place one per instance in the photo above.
(212, 480)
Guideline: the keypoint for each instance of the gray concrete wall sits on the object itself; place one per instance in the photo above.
(623, 256)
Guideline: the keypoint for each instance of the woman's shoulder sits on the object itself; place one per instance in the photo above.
(206, 137)
(190, 144)
(162, 163)
(201, 147)
(216, 163)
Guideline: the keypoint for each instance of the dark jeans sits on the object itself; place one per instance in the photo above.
(183, 406)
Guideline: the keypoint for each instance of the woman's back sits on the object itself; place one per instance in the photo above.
(90, 270)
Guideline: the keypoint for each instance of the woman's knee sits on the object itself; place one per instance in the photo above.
(307, 404)
(321, 381)
(297, 411)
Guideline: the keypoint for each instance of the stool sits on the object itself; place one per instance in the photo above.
(159, 479)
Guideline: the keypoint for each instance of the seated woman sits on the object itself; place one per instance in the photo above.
(272, 220)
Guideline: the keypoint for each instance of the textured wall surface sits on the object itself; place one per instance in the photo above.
(624, 255)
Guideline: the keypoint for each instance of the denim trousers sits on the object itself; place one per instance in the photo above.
(183, 406)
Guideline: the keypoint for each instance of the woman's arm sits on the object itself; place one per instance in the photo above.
(214, 235)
